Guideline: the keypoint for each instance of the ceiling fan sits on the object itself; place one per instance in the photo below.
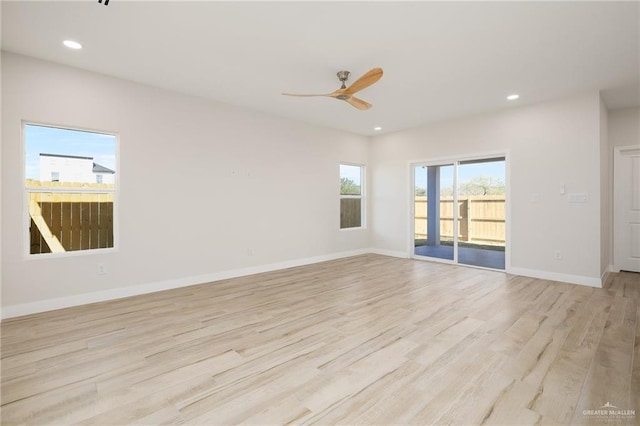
(345, 93)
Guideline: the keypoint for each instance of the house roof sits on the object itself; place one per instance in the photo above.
(42, 154)
(98, 168)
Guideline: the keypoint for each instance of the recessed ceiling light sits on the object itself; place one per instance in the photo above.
(72, 44)
(513, 97)
(377, 129)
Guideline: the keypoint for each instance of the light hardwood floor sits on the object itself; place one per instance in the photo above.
(364, 340)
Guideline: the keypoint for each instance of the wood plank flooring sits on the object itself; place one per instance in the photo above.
(363, 340)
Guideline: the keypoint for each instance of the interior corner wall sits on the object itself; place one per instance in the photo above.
(624, 127)
(606, 195)
(548, 145)
(205, 188)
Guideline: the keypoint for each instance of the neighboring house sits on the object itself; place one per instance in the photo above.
(103, 174)
(72, 168)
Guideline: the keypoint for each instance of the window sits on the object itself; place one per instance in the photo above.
(351, 196)
(69, 206)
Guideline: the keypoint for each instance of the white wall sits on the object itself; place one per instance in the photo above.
(109, 178)
(1, 183)
(624, 127)
(547, 145)
(247, 183)
(239, 181)
(606, 194)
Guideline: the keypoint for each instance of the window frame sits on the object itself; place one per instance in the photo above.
(362, 196)
(26, 223)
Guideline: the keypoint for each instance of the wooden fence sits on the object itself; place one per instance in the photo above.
(481, 218)
(69, 221)
(350, 212)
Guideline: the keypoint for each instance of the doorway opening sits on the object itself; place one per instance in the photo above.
(626, 209)
(459, 212)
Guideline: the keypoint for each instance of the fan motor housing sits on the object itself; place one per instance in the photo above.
(343, 75)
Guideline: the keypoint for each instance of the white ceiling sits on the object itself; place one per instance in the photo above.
(441, 60)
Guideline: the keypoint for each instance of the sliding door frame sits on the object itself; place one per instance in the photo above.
(455, 160)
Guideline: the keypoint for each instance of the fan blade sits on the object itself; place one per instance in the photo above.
(358, 103)
(365, 81)
(306, 95)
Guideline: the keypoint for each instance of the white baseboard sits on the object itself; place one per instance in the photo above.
(556, 276)
(118, 293)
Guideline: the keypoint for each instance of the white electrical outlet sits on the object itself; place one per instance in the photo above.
(557, 255)
(249, 252)
(578, 198)
(101, 269)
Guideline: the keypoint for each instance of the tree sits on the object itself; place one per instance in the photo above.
(349, 187)
(446, 191)
(482, 185)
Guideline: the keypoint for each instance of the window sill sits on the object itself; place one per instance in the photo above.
(29, 256)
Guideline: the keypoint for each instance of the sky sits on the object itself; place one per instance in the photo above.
(52, 140)
(350, 172)
(465, 173)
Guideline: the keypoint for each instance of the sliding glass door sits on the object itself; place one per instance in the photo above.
(433, 217)
(481, 199)
(459, 212)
